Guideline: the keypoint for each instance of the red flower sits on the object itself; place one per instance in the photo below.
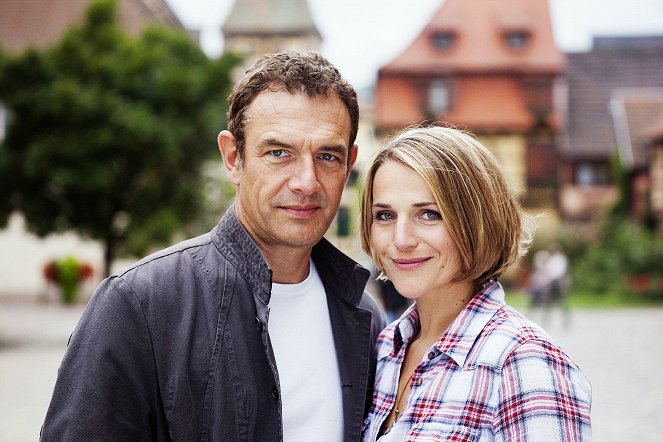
(51, 271)
(85, 271)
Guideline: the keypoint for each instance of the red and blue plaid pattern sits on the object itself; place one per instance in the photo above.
(493, 375)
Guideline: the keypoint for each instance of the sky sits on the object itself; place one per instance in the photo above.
(359, 36)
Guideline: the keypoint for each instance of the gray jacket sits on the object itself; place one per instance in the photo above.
(177, 348)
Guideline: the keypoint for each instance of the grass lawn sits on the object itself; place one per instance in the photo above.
(520, 299)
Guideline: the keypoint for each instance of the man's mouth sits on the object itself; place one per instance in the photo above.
(301, 211)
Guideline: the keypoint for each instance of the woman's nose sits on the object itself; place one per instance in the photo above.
(404, 236)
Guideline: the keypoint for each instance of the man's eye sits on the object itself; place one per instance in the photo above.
(329, 157)
(277, 153)
(384, 216)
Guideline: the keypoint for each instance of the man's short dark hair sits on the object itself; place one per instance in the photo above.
(297, 73)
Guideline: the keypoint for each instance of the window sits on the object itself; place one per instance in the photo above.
(517, 40)
(443, 40)
(343, 222)
(439, 100)
(588, 174)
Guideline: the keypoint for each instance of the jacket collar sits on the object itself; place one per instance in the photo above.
(340, 275)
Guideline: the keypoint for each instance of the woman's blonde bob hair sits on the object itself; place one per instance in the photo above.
(484, 219)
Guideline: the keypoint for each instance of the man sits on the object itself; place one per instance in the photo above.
(259, 330)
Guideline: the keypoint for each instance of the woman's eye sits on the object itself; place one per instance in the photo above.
(431, 215)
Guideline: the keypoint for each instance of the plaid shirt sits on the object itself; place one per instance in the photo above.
(493, 375)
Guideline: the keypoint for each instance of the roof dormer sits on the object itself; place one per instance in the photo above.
(443, 39)
(517, 39)
(516, 27)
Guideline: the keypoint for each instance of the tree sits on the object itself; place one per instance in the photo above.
(107, 133)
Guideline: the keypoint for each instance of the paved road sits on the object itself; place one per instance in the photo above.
(621, 351)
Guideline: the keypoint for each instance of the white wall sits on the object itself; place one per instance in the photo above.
(23, 256)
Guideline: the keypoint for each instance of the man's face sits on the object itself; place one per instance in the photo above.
(295, 164)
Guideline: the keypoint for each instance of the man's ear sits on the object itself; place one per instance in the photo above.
(230, 155)
(353, 157)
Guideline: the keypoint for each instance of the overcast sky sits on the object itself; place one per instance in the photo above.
(361, 35)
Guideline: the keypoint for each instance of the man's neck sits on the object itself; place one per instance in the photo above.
(289, 266)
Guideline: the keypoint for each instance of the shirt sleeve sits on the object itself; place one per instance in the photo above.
(106, 386)
(542, 396)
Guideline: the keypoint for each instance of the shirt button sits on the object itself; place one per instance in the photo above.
(275, 392)
(431, 355)
(418, 382)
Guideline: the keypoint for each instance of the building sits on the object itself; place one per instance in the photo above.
(492, 67)
(257, 27)
(655, 144)
(40, 23)
(615, 95)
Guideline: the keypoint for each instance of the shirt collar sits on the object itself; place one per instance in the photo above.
(463, 332)
(399, 332)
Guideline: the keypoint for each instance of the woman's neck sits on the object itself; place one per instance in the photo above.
(436, 313)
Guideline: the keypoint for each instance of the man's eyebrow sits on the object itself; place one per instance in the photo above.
(336, 148)
(273, 142)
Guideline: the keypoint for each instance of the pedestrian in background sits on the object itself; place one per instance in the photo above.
(549, 284)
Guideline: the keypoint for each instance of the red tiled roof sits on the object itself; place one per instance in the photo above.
(493, 86)
(479, 27)
(39, 23)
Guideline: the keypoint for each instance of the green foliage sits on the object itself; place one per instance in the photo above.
(68, 273)
(628, 259)
(68, 279)
(621, 207)
(107, 133)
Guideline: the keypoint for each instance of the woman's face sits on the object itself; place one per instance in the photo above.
(409, 235)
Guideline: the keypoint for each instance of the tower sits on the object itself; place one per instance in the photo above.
(257, 27)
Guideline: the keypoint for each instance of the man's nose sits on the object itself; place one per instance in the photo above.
(304, 177)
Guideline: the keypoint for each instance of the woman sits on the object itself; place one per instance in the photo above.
(439, 222)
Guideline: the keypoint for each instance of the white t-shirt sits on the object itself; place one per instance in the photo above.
(300, 332)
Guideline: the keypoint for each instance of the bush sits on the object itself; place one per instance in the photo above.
(628, 259)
